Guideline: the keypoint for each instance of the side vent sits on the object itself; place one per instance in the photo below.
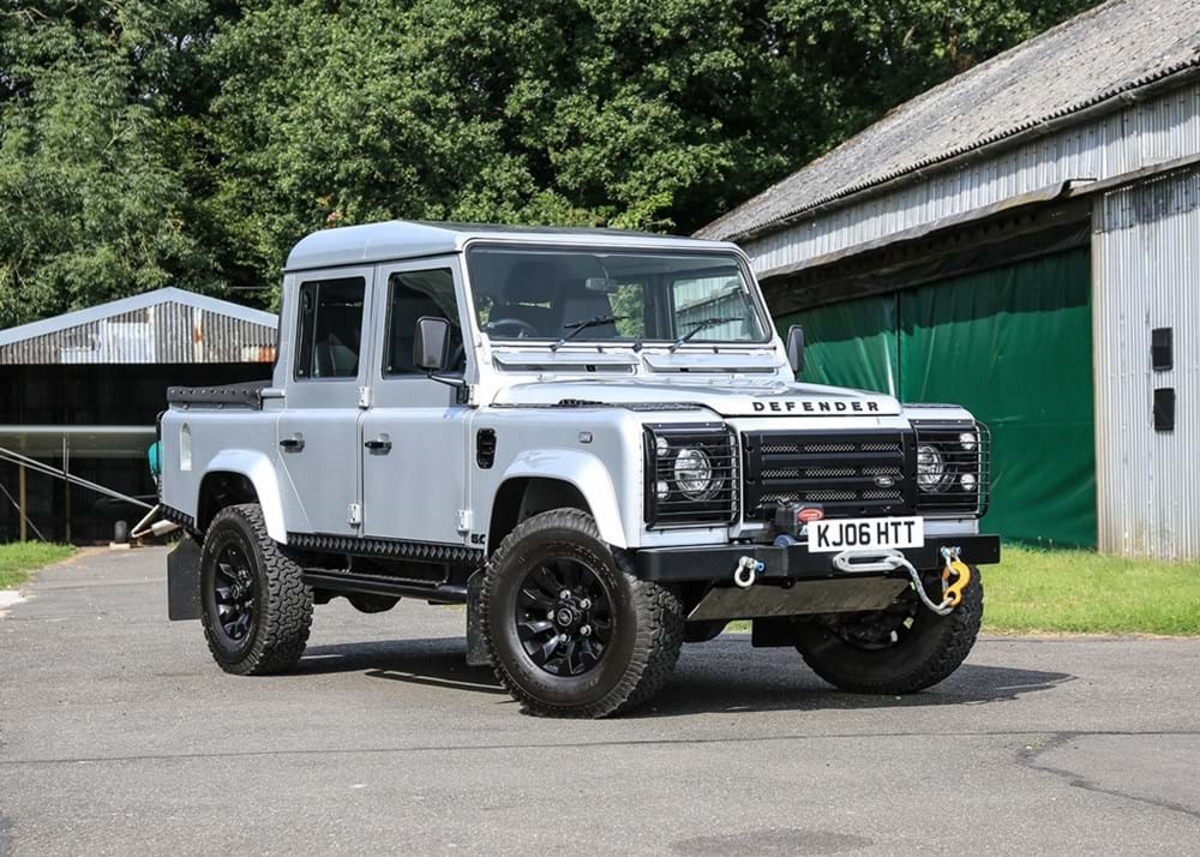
(485, 448)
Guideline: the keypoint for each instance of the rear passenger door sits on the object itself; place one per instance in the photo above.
(319, 431)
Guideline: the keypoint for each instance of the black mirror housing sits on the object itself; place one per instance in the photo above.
(795, 348)
(432, 340)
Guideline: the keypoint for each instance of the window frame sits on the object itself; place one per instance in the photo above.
(298, 350)
(389, 304)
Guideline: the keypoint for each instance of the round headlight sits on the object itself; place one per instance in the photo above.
(931, 469)
(694, 474)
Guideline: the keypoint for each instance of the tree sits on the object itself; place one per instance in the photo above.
(193, 142)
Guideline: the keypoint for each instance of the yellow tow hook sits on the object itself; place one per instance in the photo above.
(957, 570)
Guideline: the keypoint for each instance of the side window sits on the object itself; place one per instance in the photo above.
(413, 295)
(330, 328)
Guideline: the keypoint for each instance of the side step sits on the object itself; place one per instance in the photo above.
(375, 584)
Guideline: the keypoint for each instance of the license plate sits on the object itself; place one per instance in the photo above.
(865, 534)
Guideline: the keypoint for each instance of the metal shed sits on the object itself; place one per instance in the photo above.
(1024, 238)
(79, 393)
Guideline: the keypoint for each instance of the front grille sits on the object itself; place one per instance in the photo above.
(852, 474)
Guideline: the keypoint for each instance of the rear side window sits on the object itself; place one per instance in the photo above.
(330, 328)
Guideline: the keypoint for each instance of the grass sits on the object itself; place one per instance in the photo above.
(1080, 592)
(20, 559)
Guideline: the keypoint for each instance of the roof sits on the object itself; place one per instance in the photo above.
(400, 239)
(164, 326)
(1095, 57)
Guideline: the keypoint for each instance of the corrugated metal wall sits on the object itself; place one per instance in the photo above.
(1146, 263)
(167, 332)
(1146, 133)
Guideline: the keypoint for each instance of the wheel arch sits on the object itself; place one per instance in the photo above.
(555, 480)
(241, 476)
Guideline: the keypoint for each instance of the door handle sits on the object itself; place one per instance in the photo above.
(292, 444)
(379, 445)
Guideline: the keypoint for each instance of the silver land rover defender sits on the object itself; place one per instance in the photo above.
(595, 440)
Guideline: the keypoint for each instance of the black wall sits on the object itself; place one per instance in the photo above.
(93, 395)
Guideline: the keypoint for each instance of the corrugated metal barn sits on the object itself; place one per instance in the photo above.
(81, 392)
(1024, 239)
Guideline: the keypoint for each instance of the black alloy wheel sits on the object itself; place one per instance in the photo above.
(234, 593)
(901, 649)
(571, 631)
(873, 632)
(564, 616)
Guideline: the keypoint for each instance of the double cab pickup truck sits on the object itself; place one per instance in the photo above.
(593, 439)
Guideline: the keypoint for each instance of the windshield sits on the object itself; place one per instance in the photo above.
(587, 295)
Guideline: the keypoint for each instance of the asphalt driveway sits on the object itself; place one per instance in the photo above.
(118, 735)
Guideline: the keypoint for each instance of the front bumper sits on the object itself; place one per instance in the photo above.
(716, 563)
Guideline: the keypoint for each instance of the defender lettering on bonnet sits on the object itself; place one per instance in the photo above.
(596, 442)
(823, 406)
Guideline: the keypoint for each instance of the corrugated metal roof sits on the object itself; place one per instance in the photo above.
(165, 326)
(1096, 57)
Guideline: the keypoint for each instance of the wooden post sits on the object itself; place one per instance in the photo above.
(21, 502)
(66, 490)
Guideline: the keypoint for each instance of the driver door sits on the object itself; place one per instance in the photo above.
(415, 434)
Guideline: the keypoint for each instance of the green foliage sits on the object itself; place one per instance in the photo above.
(193, 142)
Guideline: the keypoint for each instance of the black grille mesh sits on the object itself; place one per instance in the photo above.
(851, 474)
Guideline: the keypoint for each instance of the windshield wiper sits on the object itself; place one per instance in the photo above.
(577, 327)
(703, 325)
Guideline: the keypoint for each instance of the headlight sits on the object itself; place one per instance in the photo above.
(694, 474)
(931, 469)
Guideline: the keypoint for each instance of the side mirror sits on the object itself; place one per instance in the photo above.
(429, 347)
(795, 348)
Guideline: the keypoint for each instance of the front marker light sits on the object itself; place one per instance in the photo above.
(968, 481)
(662, 490)
(968, 440)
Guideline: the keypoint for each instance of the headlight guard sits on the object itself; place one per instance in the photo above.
(698, 465)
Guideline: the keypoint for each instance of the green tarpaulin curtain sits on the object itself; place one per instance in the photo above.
(1014, 346)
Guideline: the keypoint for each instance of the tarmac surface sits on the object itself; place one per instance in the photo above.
(118, 735)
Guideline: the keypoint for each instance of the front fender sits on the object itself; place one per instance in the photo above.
(588, 474)
(259, 469)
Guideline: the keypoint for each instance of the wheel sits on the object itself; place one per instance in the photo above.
(902, 649)
(256, 607)
(570, 630)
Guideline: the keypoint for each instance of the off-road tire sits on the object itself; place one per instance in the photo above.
(648, 623)
(934, 647)
(284, 604)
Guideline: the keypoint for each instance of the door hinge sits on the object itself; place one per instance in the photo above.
(465, 519)
(364, 397)
(354, 515)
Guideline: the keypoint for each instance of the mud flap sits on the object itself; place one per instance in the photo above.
(477, 655)
(183, 580)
